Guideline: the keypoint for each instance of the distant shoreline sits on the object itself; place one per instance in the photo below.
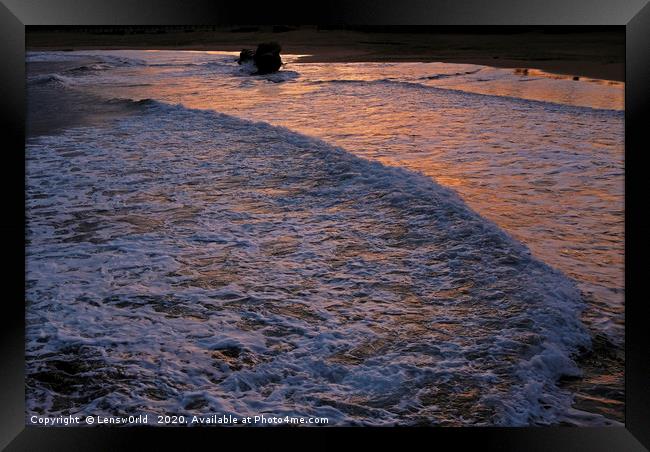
(599, 55)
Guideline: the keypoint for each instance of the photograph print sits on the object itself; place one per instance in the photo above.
(299, 225)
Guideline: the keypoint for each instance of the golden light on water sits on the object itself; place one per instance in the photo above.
(219, 218)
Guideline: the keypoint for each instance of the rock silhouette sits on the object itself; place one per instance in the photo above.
(245, 55)
(266, 58)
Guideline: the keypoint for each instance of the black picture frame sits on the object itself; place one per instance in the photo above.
(633, 15)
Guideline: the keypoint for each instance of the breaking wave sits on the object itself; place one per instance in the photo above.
(189, 262)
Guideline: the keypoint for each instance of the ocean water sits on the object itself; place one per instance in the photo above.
(404, 243)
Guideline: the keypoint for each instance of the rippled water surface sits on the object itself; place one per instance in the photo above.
(360, 252)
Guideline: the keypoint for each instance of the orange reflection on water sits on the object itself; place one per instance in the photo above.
(550, 174)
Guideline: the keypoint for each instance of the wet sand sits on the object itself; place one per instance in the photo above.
(599, 54)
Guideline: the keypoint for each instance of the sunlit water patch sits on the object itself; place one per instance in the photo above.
(200, 262)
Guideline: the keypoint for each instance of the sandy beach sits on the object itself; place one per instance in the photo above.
(599, 54)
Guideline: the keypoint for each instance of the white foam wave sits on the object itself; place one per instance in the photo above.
(55, 79)
(188, 261)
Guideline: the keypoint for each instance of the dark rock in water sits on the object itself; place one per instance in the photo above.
(267, 58)
(245, 55)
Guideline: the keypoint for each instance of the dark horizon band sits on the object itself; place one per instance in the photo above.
(356, 12)
(15, 15)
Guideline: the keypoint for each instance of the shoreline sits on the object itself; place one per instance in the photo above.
(598, 55)
(585, 394)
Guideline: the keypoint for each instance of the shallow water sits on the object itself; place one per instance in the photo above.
(200, 262)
